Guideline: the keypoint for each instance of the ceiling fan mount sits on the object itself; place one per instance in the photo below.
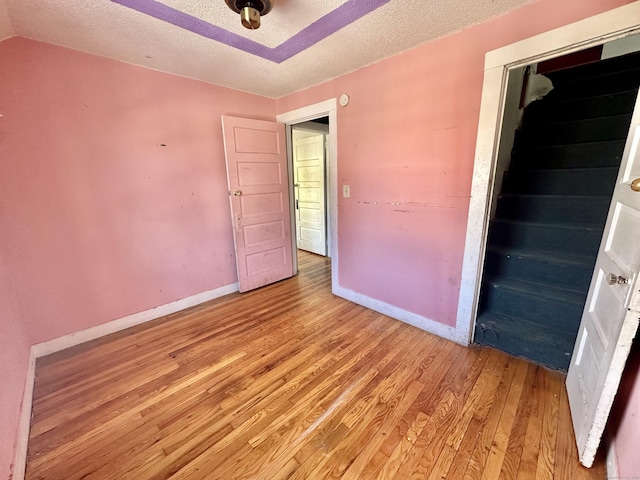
(250, 11)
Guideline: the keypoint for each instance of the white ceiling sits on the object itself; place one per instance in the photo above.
(109, 29)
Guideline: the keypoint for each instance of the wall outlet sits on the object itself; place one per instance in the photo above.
(346, 191)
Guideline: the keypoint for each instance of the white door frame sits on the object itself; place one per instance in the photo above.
(599, 29)
(322, 109)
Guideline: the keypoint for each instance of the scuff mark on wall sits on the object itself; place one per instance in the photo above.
(407, 204)
(418, 204)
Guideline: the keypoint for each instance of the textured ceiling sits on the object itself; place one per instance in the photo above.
(300, 43)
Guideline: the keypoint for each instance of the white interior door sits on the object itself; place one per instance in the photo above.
(256, 159)
(309, 183)
(612, 310)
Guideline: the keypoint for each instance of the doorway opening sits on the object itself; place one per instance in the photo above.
(552, 191)
(501, 66)
(317, 117)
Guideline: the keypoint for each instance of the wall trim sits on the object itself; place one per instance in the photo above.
(82, 336)
(321, 109)
(596, 30)
(307, 113)
(418, 321)
(76, 338)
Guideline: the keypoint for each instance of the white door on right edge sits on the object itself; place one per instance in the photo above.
(309, 183)
(612, 311)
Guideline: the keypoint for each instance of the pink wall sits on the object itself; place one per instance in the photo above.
(406, 144)
(99, 220)
(14, 356)
(102, 221)
(625, 422)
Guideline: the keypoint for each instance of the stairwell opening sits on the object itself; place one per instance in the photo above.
(552, 191)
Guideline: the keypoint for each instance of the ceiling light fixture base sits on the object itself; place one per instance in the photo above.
(250, 11)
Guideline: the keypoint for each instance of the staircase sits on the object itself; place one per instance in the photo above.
(552, 210)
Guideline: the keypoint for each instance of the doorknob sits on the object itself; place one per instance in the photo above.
(635, 185)
(237, 193)
(613, 279)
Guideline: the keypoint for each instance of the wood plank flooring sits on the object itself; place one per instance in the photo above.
(290, 382)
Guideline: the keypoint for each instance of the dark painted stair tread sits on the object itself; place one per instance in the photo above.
(601, 129)
(569, 258)
(556, 209)
(569, 181)
(540, 237)
(578, 155)
(603, 105)
(544, 346)
(567, 272)
(541, 304)
(546, 292)
(598, 85)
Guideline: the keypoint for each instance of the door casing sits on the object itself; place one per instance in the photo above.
(327, 108)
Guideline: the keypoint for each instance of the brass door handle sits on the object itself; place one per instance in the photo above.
(635, 185)
(613, 279)
(237, 193)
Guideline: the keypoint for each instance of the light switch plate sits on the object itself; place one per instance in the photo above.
(346, 191)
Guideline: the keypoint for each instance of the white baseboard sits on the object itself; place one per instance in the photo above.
(423, 323)
(66, 341)
(24, 422)
(612, 459)
(76, 338)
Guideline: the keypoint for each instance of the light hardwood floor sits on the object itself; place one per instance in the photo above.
(291, 382)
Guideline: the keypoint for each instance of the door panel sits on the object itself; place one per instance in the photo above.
(612, 310)
(250, 173)
(309, 179)
(259, 195)
(256, 140)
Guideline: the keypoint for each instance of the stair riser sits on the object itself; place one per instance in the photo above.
(603, 85)
(546, 312)
(544, 238)
(574, 277)
(594, 107)
(589, 155)
(555, 210)
(589, 182)
(581, 131)
(554, 352)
